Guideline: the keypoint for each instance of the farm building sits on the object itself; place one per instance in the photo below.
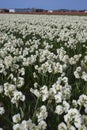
(12, 10)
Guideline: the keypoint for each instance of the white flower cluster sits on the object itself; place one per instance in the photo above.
(2, 110)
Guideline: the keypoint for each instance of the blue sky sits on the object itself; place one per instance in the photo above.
(45, 4)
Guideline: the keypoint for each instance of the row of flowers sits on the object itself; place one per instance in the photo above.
(43, 72)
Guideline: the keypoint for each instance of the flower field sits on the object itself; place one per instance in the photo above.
(43, 72)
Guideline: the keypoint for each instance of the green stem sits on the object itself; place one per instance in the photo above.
(35, 110)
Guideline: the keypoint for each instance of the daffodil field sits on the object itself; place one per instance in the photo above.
(43, 72)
